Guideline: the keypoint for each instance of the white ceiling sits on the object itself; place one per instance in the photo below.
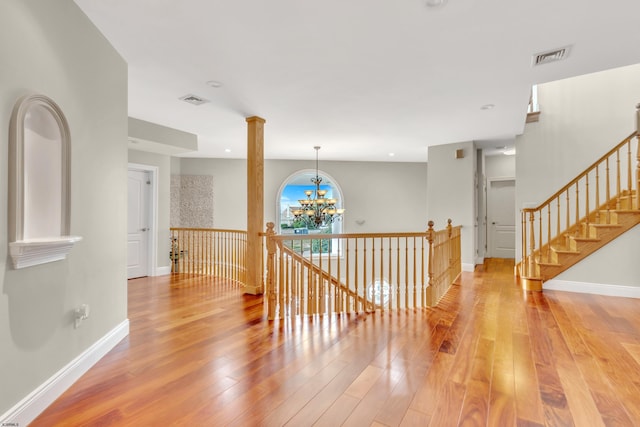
(361, 78)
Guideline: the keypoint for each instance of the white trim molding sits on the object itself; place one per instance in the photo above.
(468, 267)
(592, 288)
(25, 411)
(162, 271)
(27, 253)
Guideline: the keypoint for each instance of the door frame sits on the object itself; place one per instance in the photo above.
(488, 253)
(152, 238)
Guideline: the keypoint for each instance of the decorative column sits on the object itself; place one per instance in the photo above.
(255, 203)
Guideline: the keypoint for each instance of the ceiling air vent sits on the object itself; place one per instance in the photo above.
(193, 99)
(550, 56)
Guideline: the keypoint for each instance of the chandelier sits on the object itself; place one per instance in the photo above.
(316, 210)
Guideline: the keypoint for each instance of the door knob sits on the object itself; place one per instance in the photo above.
(143, 229)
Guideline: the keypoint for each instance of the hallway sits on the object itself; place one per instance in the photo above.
(200, 353)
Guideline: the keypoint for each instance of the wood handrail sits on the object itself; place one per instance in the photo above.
(581, 175)
(345, 235)
(218, 230)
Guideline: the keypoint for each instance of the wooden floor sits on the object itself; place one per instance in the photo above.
(200, 353)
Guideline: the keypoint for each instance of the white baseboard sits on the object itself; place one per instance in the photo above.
(468, 267)
(592, 288)
(162, 271)
(39, 399)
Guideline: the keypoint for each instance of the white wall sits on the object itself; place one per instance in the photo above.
(163, 163)
(229, 189)
(52, 48)
(581, 119)
(401, 187)
(451, 193)
(500, 166)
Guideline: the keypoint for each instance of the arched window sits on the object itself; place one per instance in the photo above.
(293, 190)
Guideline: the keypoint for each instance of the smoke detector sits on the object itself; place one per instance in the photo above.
(550, 56)
(193, 99)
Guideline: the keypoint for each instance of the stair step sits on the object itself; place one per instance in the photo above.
(549, 264)
(565, 251)
(585, 239)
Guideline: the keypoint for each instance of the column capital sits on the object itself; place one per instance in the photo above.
(255, 119)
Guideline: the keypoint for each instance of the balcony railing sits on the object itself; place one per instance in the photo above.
(325, 273)
(208, 251)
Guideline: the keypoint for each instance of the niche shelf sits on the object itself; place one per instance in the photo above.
(39, 183)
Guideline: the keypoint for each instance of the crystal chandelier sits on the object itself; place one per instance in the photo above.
(316, 211)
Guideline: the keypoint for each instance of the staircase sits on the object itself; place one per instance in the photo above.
(590, 211)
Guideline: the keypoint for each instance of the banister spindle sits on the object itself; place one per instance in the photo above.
(586, 202)
(608, 195)
(558, 218)
(414, 274)
(597, 194)
(549, 232)
(638, 174)
(568, 221)
(638, 157)
(532, 243)
(523, 260)
(577, 210)
(629, 170)
(271, 251)
(397, 239)
(406, 272)
(617, 179)
(540, 234)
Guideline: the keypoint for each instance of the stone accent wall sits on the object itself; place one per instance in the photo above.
(191, 201)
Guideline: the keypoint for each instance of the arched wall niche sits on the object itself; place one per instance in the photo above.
(39, 182)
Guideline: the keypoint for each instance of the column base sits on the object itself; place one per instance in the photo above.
(254, 290)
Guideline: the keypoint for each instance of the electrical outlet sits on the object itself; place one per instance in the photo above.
(81, 313)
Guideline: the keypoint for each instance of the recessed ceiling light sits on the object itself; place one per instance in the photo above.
(487, 107)
(435, 3)
(392, 154)
(214, 83)
(509, 152)
(227, 150)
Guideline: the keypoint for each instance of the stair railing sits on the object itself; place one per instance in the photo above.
(588, 199)
(325, 273)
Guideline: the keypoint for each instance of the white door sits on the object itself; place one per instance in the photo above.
(501, 218)
(138, 224)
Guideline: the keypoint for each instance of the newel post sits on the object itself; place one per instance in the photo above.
(430, 236)
(271, 257)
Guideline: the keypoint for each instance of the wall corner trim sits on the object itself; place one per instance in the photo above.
(468, 267)
(592, 288)
(25, 411)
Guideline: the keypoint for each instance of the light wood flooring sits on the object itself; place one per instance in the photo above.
(200, 353)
